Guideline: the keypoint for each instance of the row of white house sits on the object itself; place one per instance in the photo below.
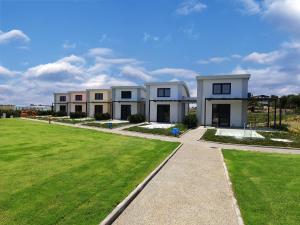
(221, 101)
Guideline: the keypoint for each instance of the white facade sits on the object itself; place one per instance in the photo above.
(128, 100)
(233, 102)
(165, 101)
(61, 102)
(94, 101)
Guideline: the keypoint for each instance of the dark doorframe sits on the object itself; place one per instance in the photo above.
(221, 115)
(125, 112)
(163, 113)
(98, 109)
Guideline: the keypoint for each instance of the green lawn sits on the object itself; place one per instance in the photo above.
(295, 137)
(53, 174)
(159, 131)
(267, 186)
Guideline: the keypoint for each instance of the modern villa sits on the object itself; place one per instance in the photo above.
(128, 100)
(221, 101)
(166, 101)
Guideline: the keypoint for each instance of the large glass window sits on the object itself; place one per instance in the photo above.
(62, 108)
(78, 108)
(78, 97)
(98, 96)
(62, 98)
(163, 92)
(222, 88)
(126, 94)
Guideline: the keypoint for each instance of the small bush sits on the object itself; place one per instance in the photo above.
(102, 116)
(59, 113)
(137, 118)
(77, 115)
(14, 113)
(44, 113)
(190, 121)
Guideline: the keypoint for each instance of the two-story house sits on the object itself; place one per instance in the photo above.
(99, 101)
(128, 100)
(222, 100)
(61, 102)
(166, 101)
(78, 101)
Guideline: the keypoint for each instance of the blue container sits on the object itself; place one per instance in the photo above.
(175, 131)
(109, 125)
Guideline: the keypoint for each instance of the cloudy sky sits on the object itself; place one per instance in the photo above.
(55, 46)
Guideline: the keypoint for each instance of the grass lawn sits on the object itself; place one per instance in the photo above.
(53, 174)
(295, 137)
(266, 186)
(105, 125)
(160, 131)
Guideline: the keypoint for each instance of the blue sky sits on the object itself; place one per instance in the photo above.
(56, 46)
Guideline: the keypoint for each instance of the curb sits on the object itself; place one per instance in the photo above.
(117, 211)
(234, 200)
(259, 146)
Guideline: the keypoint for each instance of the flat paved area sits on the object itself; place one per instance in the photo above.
(190, 189)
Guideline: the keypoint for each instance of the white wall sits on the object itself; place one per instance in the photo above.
(91, 108)
(57, 101)
(134, 94)
(104, 102)
(117, 109)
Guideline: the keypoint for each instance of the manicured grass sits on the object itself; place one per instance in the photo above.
(105, 125)
(210, 136)
(159, 131)
(53, 174)
(266, 186)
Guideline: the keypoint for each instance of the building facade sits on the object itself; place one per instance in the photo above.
(222, 100)
(128, 100)
(99, 101)
(167, 101)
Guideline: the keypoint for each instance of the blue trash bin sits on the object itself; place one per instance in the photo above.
(109, 125)
(175, 131)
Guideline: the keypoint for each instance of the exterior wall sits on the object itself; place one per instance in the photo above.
(7, 107)
(239, 89)
(117, 109)
(73, 102)
(106, 102)
(58, 103)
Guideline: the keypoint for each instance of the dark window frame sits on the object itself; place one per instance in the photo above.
(100, 95)
(78, 97)
(62, 98)
(221, 89)
(164, 95)
(63, 106)
(124, 94)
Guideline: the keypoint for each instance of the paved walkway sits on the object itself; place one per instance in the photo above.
(190, 189)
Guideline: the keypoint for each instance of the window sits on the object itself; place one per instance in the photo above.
(126, 94)
(78, 108)
(62, 98)
(78, 97)
(163, 92)
(222, 89)
(62, 108)
(98, 96)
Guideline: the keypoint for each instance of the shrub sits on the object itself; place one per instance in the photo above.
(59, 113)
(44, 113)
(137, 118)
(14, 113)
(190, 121)
(77, 115)
(102, 116)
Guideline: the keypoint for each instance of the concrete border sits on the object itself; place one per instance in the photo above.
(117, 211)
(234, 200)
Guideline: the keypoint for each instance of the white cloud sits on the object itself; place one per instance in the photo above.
(136, 72)
(149, 37)
(190, 32)
(4, 72)
(264, 58)
(215, 60)
(100, 52)
(68, 45)
(250, 6)
(116, 61)
(73, 59)
(105, 81)
(6, 37)
(176, 72)
(190, 6)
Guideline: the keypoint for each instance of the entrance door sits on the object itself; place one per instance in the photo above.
(78, 108)
(98, 109)
(163, 113)
(221, 115)
(125, 112)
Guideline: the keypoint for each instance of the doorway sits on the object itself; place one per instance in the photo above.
(163, 113)
(125, 112)
(221, 115)
(98, 109)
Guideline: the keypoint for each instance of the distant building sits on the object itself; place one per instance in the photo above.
(7, 107)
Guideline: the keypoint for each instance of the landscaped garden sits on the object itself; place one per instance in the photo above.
(53, 174)
(160, 131)
(291, 136)
(266, 186)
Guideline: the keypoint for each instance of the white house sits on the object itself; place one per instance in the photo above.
(78, 102)
(222, 100)
(98, 101)
(128, 100)
(61, 102)
(167, 101)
